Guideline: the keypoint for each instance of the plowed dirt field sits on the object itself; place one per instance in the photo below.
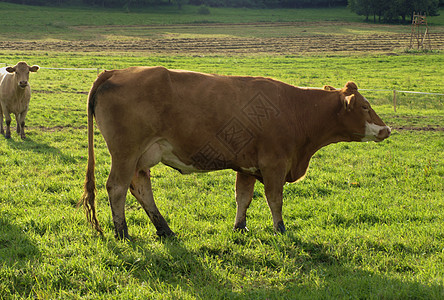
(241, 39)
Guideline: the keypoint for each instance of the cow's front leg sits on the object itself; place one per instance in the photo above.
(274, 187)
(140, 187)
(21, 124)
(17, 118)
(8, 124)
(22, 130)
(1, 121)
(244, 195)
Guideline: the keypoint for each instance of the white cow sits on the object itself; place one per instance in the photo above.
(15, 94)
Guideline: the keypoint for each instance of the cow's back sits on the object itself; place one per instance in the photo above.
(195, 113)
(5, 82)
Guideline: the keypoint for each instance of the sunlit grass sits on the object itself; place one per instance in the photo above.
(366, 222)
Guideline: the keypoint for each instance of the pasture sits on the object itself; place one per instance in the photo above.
(365, 223)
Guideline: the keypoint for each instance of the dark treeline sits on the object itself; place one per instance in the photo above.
(270, 3)
(395, 11)
(211, 3)
(383, 11)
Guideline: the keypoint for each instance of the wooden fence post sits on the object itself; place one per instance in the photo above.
(394, 100)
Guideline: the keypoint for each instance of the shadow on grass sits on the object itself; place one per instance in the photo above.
(15, 246)
(209, 272)
(30, 145)
(172, 268)
(16, 251)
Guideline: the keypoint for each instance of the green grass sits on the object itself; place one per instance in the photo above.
(372, 72)
(67, 23)
(398, 72)
(366, 222)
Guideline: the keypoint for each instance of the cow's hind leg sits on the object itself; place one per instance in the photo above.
(140, 187)
(117, 186)
(244, 195)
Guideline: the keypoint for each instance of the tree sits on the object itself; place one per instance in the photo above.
(361, 7)
(391, 11)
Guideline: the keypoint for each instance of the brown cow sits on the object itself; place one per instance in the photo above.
(264, 129)
(15, 94)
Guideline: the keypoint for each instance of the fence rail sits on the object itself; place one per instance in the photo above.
(395, 92)
(74, 69)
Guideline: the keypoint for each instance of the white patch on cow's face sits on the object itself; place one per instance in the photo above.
(372, 132)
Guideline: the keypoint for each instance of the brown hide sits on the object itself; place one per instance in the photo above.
(262, 128)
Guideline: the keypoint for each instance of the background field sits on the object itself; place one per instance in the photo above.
(224, 31)
(365, 223)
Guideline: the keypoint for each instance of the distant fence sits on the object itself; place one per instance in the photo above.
(66, 69)
(74, 69)
(395, 92)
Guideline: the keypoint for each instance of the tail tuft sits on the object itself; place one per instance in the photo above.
(88, 200)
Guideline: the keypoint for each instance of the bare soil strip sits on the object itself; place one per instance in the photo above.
(300, 44)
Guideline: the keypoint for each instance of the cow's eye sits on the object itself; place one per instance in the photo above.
(365, 107)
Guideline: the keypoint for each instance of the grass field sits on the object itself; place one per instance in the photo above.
(225, 31)
(366, 222)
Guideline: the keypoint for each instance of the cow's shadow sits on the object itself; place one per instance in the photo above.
(192, 270)
(30, 145)
(176, 266)
(15, 246)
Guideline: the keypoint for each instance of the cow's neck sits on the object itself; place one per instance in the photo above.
(320, 127)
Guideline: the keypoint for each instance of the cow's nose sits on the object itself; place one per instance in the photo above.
(384, 133)
(23, 83)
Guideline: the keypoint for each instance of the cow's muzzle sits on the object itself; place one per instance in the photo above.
(376, 133)
(23, 84)
(384, 133)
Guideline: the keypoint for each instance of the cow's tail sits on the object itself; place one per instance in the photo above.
(88, 200)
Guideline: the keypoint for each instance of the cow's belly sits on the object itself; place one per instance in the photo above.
(162, 151)
(173, 161)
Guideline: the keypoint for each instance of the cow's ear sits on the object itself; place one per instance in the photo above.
(10, 69)
(350, 88)
(328, 88)
(34, 68)
(349, 102)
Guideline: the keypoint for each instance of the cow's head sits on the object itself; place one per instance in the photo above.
(21, 71)
(360, 121)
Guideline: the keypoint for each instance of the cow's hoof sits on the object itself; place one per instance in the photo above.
(123, 237)
(122, 233)
(242, 230)
(164, 233)
(281, 227)
(242, 227)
